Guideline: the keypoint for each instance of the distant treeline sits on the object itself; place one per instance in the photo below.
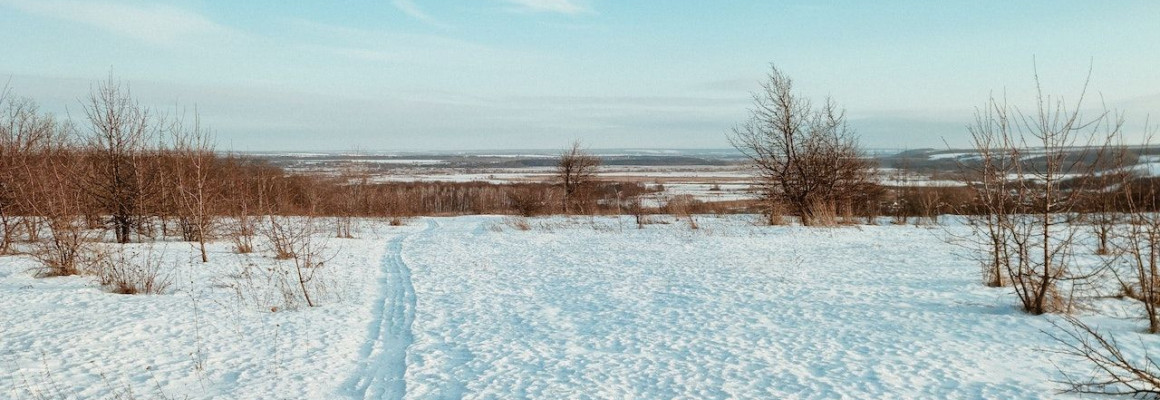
(126, 168)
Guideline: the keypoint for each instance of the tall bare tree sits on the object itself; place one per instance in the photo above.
(119, 131)
(575, 170)
(806, 157)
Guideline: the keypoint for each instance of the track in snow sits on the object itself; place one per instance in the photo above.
(383, 359)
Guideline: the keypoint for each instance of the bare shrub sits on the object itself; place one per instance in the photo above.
(683, 206)
(310, 257)
(636, 209)
(36, 181)
(65, 248)
(260, 287)
(348, 203)
(293, 238)
(1139, 246)
(1113, 372)
(51, 194)
(1103, 224)
(1112, 194)
(804, 156)
(298, 280)
(124, 271)
(517, 223)
(929, 205)
(530, 201)
(242, 182)
(1028, 209)
(243, 234)
(286, 234)
(345, 226)
(995, 194)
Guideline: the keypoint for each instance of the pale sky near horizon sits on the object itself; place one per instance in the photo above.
(529, 74)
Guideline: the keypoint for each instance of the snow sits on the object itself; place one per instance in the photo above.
(1147, 169)
(954, 156)
(573, 308)
(402, 161)
(919, 181)
(213, 334)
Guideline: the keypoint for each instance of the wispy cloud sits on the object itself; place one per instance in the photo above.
(550, 6)
(157, 24)
(412, 10)
(383, 46)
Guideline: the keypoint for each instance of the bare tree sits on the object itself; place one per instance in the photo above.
(1026, 183)
(806, 158)
(198, 193)
(119, 130)
(993, 140)
(576, 170)
(1139, 246)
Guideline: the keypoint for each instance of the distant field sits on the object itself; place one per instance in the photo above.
(707, 175)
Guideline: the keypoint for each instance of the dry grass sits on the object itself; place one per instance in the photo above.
(822, 213)
(124, 272)
(518, 223)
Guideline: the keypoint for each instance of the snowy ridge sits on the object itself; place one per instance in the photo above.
(383, 358)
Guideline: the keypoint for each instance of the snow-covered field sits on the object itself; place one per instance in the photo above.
(472, 307)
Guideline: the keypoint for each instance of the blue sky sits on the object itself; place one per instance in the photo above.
(491, 74)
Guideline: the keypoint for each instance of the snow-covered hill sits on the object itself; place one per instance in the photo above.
(472, 307)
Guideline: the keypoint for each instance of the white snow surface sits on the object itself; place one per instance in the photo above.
(470, 307)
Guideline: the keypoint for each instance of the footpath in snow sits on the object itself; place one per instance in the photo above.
(382, 360)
